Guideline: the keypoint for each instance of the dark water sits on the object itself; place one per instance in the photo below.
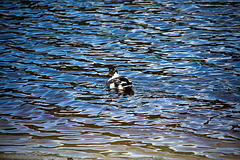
(182, 56)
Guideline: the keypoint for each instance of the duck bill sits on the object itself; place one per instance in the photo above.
(107, 74)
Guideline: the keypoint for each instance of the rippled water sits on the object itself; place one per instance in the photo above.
(182, 56)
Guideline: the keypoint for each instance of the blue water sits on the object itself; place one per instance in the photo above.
(182, 56)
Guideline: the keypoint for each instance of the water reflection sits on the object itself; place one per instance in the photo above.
(181, 56)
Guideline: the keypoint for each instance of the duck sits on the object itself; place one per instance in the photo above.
(119, 83)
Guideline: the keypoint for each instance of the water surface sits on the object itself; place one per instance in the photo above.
(182, 56)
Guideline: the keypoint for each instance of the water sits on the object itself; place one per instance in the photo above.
(182, 56)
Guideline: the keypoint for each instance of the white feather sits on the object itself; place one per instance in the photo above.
(123, 82)
(112, 85)
(120, 87)
(115, 75)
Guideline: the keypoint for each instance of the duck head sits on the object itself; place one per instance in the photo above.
(112, 71)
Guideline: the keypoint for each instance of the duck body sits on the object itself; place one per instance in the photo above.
(120, 83)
